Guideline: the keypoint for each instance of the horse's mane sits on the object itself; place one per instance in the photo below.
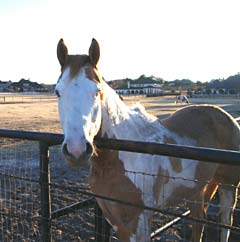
(140, 109)
(117, 113)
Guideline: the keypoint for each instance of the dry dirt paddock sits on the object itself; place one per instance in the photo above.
(39, 113)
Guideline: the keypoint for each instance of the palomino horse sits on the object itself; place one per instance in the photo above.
(88, 107)
(181, 99)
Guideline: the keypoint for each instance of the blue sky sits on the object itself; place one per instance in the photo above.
(196, 39)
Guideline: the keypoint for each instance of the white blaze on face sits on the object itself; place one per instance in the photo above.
(79, 110)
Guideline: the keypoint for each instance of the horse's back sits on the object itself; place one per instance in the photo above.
(208, 125)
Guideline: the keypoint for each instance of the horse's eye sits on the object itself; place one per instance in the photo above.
(97, 93)
(57, 93)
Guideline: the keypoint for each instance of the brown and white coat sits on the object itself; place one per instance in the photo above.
(89, 107)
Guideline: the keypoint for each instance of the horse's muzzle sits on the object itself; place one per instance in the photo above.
(80, 161)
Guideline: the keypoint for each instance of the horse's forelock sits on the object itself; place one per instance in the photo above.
(77, 62)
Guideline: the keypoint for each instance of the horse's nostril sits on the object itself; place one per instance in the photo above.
(75, 155)
(89, 148)
(64, 149)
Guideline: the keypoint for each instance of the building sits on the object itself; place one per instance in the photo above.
(4, 86)
(22, 86)
(150, 88)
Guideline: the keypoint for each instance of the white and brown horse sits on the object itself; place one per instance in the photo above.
(88, 107)
(181, 99)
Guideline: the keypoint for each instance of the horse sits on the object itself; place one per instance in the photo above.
(181, 99)
(88, 107)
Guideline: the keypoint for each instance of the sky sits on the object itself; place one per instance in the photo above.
(171, 39)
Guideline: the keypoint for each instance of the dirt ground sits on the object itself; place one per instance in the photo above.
(41, 114)
(20, 199)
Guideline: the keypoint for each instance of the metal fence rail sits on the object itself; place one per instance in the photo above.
(195, 153)
(48, 139)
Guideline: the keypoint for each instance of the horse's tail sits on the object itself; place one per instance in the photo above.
(237, 130)
(238, 135)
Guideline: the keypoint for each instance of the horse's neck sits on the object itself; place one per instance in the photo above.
(121, 122)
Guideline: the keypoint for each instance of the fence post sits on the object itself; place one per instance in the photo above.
(45, 223)
(102, 227)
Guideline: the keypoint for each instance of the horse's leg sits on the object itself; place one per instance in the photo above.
(143, 229)
(228, 201)
(197, 211)
(209, 192)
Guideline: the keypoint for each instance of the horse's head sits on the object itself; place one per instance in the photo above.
(79, 91)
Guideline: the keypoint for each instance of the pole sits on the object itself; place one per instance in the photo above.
(102, 227)
(45, 223)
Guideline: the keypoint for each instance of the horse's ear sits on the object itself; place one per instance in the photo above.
(62, 52)
(94, 52)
